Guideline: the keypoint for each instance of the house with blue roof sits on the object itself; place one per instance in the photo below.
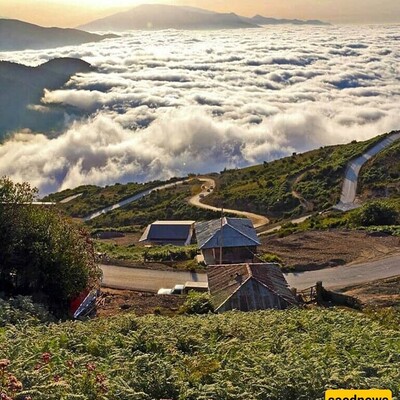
(227, 241)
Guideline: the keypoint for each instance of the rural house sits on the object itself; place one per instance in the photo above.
(178, 233)
(235, 236)
(248, 287)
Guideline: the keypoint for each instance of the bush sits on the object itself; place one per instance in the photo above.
(197, 303)
(43, 254)
(376, 213)
(22, 309)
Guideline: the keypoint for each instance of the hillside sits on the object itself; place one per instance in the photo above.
(294, 354)
(22, 88)
(157, 16)
(290, 186)
(260, 20)
(282, 188)
(380, 177)
(165, 204)
(19, 35)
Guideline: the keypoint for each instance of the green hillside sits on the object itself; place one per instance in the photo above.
(291, 355)
(290, 186)
(284, 188)
(380, 177)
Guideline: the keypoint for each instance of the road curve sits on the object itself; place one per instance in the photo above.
(258, 220)
(136, 197)
(349, 190)
(344, 275)
(146, 279)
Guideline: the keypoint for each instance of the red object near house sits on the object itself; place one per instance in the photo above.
(75, 303)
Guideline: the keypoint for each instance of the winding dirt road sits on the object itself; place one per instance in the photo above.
(209, 184)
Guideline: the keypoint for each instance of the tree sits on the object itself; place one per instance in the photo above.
(42, 253)
(376, 213)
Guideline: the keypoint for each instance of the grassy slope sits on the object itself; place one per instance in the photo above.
(294, 354)
(316, 176)
(167, 204)
(94, 198)
(381, 175)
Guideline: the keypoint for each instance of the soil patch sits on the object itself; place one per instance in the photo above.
(114, 302)
(312, 250)
(381, 293)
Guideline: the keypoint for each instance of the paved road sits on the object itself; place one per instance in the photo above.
(70, 198)
(130, 200)
(349, 189)
(258, 220)
(146, 279)
(150, 280)
(345, 275)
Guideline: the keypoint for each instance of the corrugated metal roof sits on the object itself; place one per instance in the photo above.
(225, 280)
(236, 232)
(168, 230)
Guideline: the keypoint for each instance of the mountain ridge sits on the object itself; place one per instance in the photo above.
(23, 86)
(158, 17)
(19, 35)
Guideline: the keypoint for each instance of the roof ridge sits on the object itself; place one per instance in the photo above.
(242, 233)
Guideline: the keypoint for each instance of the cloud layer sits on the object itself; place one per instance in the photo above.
(167, 103)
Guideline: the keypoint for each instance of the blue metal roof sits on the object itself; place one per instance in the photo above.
(235, 232)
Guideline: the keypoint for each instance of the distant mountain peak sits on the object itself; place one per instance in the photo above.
(162, 16)
(20, 35)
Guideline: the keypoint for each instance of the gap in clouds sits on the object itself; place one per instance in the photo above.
(168, 103)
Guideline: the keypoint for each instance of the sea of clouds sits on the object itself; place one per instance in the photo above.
(164, 104)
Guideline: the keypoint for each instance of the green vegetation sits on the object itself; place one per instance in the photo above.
(375, 213)
(22, 309)
(291, 355)
(154, 254)
(283, 188)
(373, 216)
(94, 198)
(380, 177)
(197, 303)
(169, 204)
(42, 253)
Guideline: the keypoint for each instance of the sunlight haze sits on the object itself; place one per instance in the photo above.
(71, 13)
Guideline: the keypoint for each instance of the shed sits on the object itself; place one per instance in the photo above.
(235, 236)
(178, 233)
(249, 287)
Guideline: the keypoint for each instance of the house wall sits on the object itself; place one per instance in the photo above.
(230, 255)
(253, 296)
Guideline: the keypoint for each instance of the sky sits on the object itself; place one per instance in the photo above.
(71, 13)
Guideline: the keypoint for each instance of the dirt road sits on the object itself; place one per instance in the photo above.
(258, 220)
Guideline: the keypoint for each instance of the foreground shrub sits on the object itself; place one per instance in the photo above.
(274, 355)
(375, 213)
(197, 303)
(42, 253)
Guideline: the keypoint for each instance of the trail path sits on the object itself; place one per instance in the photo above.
(258, 220)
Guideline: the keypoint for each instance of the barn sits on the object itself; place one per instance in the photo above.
(235, 236)
(178, 233)
(249, 287)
